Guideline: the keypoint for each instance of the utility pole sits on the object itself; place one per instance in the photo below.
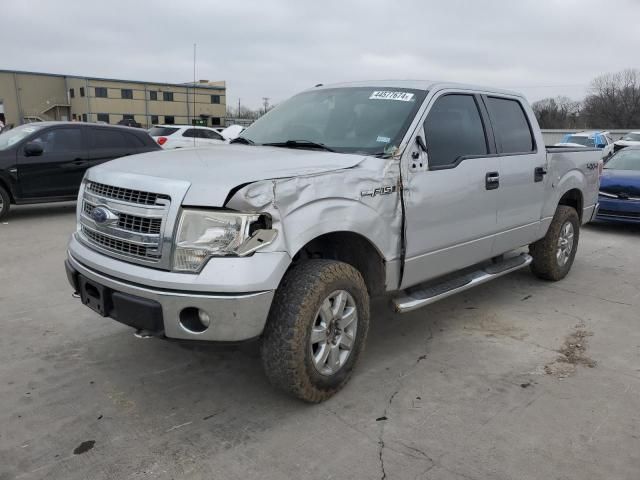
(238, 108)
(265, 102)
(193, 90)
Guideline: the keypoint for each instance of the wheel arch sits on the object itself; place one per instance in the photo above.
(573, 198)
(352, 248)
(6, 185)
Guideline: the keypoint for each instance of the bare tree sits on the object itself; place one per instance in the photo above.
(614, 100)
(559, 112)
(243, 112)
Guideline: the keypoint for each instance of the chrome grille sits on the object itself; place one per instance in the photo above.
(135, 226)
(132, 223)
(126, 194)
(116, 245)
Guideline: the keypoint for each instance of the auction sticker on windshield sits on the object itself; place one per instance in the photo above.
(387, 95)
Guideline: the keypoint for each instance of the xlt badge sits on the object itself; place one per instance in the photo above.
(386, 190)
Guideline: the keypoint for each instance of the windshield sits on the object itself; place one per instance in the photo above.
(347, 120)
(632, 137)
(624, 160)
(585, 141)
(162, 131)
(13, 136)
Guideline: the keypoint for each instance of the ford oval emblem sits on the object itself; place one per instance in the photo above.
(102, 215)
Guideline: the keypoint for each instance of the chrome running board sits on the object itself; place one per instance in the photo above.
(419, 296)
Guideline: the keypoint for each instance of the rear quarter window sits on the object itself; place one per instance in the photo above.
(162, 131)
(510, 126)
(134, 141)
(103, 138)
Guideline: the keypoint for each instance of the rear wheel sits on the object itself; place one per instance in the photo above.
(553, 255)
(316, 329)
(5, 203)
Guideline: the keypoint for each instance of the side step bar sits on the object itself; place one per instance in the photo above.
(416, 297)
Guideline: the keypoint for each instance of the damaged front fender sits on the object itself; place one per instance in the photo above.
(364, 199)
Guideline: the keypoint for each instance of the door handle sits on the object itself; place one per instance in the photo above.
(539, 173)
(492, 180)
(80, 163)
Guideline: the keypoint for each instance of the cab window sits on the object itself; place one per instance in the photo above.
(454, 130)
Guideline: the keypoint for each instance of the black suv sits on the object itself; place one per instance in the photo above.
(45, 161)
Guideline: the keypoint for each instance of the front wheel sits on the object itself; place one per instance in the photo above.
(5, 202)
(316, 329)
(553, 255)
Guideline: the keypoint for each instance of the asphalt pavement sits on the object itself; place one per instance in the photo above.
(516, 379)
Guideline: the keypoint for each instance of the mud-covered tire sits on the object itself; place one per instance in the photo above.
(5, 202)
(286, 351)
(546, 263)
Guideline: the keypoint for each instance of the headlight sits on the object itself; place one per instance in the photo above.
(206, 233)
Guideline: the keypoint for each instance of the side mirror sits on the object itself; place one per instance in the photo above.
(421, 144)
(33, 149)
(601, 145)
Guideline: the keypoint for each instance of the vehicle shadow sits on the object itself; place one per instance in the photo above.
(614, 227)
(25, 212)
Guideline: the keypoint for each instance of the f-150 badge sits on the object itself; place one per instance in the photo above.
(387, 190)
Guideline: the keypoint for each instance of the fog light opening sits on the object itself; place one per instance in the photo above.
(194, 320)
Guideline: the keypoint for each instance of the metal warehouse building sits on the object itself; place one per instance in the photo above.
(31, 96)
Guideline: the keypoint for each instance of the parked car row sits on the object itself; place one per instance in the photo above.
(184, 136)
(628, 140)
(591, 139)
(45, 161)
(601, 140)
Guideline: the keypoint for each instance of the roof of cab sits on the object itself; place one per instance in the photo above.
(427, 85)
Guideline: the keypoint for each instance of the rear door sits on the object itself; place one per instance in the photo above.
(190, 138)
(108, 143)
(522, 168)
(451, 203)
(209, 137)
(59, 170)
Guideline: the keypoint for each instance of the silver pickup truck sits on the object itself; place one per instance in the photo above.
(412, 189)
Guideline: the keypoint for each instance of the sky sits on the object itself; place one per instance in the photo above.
(276, 48)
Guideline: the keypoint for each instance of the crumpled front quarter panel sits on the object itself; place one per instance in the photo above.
(307, 206)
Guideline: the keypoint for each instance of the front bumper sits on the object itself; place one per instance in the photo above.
(235, 316)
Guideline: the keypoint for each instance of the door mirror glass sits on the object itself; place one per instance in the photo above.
(33, 149)
(601, 145)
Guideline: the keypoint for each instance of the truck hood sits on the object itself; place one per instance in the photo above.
(214, 171)
(620, 181)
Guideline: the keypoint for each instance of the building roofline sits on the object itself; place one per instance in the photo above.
(168, 84)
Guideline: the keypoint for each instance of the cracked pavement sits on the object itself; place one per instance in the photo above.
(457, 390)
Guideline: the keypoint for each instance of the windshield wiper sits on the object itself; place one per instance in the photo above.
(299, 144)
(246, 141)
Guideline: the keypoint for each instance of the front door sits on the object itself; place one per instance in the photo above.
(451, 200)
(58, 171)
